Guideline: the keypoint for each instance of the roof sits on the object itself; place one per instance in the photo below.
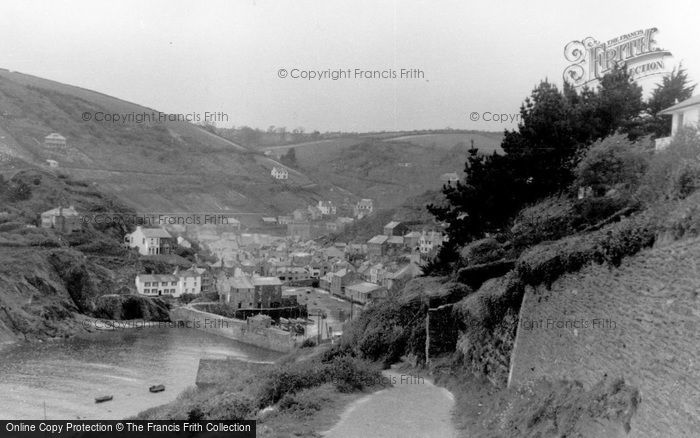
(363, 287)
(155, 232)
(695, 100)
(392, 224)
(66, 211)
(412, 234)
(451, 176)
(267, 281)
(156, 277)
(241, 282)
(377, 240)
(396, 240)
(54, 136)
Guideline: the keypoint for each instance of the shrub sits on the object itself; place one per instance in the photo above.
(347, 374)
(546, 262)
(308, 343)
(482, 251)
(549, 219)
(673, 173)
(613, 162)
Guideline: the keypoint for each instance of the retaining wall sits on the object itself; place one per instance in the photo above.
(269, 338)
(640, 322)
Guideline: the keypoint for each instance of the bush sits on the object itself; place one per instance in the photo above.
(549, 219)
(674, 172)
(545, 263)
(346, 373)
(482, 251)
(308, 343)
(614, 162)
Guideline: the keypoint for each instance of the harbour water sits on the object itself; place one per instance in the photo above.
(66, 376)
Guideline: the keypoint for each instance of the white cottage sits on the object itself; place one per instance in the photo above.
(685, 114)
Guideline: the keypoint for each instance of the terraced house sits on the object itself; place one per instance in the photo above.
(173, 285)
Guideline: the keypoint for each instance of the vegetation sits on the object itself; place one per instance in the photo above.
(544, 156)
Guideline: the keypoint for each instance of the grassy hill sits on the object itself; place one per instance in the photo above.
(486, 142)
(160, 166)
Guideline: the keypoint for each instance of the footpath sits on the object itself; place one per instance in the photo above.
(412, 408)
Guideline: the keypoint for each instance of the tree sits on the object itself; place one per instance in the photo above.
(290, 158)
(540, 157)
(619, 102)
(672, 89)
(614, 162)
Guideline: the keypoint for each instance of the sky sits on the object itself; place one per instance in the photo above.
(187, 57)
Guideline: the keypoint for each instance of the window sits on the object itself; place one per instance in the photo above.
(147, 284)
(147, 291)
(173, 283)
(164, 283)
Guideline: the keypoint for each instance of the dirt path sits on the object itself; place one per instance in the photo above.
(412, 408)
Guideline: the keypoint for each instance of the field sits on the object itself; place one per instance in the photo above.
(485, 142)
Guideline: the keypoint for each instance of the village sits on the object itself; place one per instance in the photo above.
(281, 274)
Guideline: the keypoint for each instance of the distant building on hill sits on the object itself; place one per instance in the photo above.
(327, 208)
(150, 241)
(376, 246)
(63, 220)
(429, 241)
(279, 173)
(55, 141)
(449, 178)
(363, 208)
(52, 163)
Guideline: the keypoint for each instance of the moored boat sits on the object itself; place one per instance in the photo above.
(157, 388)
(103, 398)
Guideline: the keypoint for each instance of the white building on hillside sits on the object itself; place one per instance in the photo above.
(172, 285)
(55, 141)
(363, 208)
(685, 114)
(279, 173)
(150, 241)
(327, 208)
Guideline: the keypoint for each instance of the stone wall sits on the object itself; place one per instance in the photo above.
(640, 322)
(269, 338)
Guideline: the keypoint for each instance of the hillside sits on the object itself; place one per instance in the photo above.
(388, 167)
(163, 166)
(49, 282)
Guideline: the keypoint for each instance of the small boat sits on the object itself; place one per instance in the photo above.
(103, 399)
(157, 388)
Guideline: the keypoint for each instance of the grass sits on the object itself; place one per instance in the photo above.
(486, 143)
(163, 166)
(301, 395)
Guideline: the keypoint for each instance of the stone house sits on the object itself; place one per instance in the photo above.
(62, 220)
